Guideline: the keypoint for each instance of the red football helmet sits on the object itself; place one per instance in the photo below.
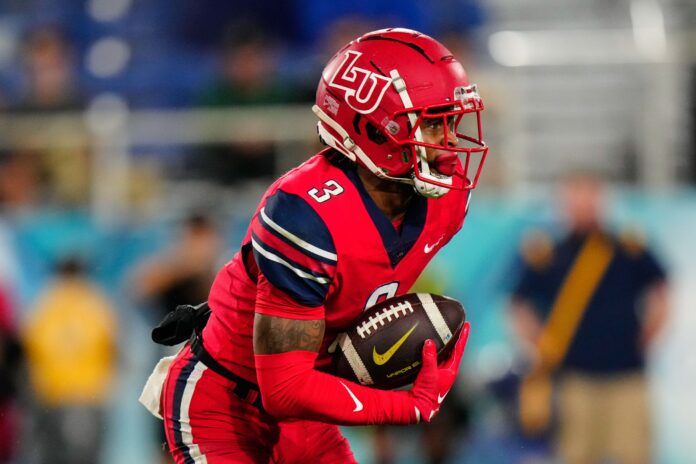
(378, 92)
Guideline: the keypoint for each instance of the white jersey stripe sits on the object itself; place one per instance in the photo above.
(184, 420)
(297, 240)
(435, 317)
(268, 255)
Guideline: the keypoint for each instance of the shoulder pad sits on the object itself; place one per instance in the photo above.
(537, 249)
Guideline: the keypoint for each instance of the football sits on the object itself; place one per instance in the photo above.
(384, 348)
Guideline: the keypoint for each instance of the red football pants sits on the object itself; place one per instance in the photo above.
(205, 422)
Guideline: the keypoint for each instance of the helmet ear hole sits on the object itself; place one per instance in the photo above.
(374, 134)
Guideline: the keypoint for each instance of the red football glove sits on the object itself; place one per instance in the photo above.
(435, 381)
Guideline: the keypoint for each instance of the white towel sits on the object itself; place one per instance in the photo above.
(152, 392)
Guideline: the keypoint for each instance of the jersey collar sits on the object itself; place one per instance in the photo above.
(396, 243)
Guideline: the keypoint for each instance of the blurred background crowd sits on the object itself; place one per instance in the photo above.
(137, 136)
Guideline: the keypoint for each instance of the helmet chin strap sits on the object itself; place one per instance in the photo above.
(420, 182)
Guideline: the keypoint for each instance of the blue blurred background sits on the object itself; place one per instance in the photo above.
(137, 135)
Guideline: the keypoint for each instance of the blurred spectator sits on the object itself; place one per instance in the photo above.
(63, 171)
(70, 340)
(586, 309)
(50, 72)
(19, 179)
(248, 70)
(10, 356)
(183, 273)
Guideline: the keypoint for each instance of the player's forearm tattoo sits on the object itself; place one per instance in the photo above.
(280, 335)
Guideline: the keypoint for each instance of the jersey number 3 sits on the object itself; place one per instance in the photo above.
(331, 189)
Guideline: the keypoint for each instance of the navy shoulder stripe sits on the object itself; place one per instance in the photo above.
(291, 219)
(302, 284)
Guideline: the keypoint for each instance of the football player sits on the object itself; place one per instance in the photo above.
(354, 225)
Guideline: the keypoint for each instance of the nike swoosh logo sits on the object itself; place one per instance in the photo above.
(380, 359)
(428, 247)
(358, 404)
(440, 399)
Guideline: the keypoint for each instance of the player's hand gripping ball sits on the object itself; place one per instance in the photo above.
(385, 347)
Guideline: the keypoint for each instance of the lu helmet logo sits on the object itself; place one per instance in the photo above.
(363, 89)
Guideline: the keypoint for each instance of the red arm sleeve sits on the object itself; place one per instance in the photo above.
(292, 388)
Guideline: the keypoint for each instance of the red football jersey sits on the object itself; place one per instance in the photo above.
(319, 247)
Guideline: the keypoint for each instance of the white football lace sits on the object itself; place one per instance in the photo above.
(393, 311)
